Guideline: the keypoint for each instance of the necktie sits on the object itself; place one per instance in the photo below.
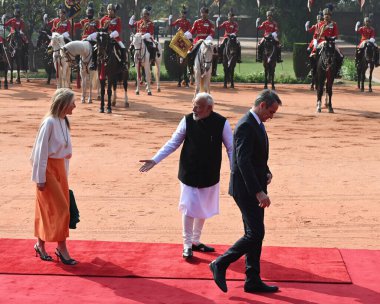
(262, 127)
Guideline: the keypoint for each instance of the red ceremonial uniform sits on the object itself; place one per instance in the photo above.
(144, 27)
(367, 32)
(229, 27)
(183, 24)
(60, 26)
(202, 28)
(113, 24)
(327, 30)
(315, 28)
(16, 24)
(89, 26)
(269, 27)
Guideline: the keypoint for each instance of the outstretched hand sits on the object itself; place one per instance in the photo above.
(149, 164)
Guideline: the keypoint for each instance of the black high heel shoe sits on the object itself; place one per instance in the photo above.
(64, 261)
(44, 257)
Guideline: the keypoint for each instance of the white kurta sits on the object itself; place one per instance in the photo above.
(53, 141)
(196, 202)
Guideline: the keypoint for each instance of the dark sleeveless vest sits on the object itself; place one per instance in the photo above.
(201, 154)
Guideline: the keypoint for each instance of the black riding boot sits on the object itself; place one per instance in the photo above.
(157, 52)
(260, 52)
(220, 52)
(377, 57)
(239, 53)
(132, 51)
(94, 59)
(279, 59)
(357, 56)
(123, 59)
(339, 62)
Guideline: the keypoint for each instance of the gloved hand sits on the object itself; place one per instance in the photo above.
(274, 34)
(146, 36)
(66, 35)
(217, 22)
(92, 37)
(257, 22)
(209, 38)
(170, 19)
(315, 43)
(114, 34)
(132, 20)
(357, 26)
(307, 25)
(372, 40)
(45, 18)
(3, 18)
(188, 35)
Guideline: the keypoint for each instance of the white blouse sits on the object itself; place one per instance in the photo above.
(53, 141)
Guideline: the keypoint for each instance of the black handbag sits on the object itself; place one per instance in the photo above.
(74, 212)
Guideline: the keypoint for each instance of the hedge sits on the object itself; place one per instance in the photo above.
(300, 60)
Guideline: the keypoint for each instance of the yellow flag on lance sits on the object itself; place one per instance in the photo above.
(180, 44)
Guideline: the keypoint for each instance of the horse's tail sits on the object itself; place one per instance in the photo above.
(202, 84)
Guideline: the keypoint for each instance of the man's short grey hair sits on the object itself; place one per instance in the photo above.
(206, 96)
(269, 97)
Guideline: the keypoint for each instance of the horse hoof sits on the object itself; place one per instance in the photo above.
(331, 110)
(126, 104)
(27, 80)
(370, 90)
(113, 103)
(137, 93)
(265, 87)
(89, 101)
(82, 101)
(232, 87)
(225, 86)
(179, 85)
(18, 81)
(109, 111)
(362, 90)
(311, 88)
(6, 87)
(101, 110)
(158, 90)
(149, 93)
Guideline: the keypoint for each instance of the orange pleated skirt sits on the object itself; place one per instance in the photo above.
(52, 214)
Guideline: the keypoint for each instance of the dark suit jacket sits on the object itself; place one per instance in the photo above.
(249, 160)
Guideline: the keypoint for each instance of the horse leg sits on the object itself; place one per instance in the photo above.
(158, 71)
(225, 69)
(329, 85)
(370, 78)
(84, 84)
(125, 86)
(109, 95)
(147, 76)
(320, 87)
(138, 77)
(102, 93)
(272, 78)
(18, 67)
(362, 79)
(265, 78)
(232, 75)
(114, 85)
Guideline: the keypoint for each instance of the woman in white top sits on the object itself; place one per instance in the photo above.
(50, 158)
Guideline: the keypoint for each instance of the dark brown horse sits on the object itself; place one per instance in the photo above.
(230, 54)
(326, 72)
(43, 41)
(110, 70)
(365, 61)
(18, 50)
(4, 64)
(269, 60)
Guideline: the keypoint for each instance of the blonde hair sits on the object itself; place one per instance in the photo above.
(60, 101)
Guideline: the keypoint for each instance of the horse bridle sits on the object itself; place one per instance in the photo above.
(102, 52)
(202, 57)
(327, 60)
(138, 55)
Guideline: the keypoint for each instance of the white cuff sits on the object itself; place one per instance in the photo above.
(132, 20)
(92, 37)
(188, 35)
(315, 42)
(372, 40)
(307, 25)
(274, 34)
(66, 35)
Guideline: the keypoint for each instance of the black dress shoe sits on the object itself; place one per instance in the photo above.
(219, 276)
(260, 287)
(187, 253)
(203, 248)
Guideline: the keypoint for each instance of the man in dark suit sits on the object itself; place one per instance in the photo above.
(250, 176)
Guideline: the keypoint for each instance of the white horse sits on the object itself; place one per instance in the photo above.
(89, 77)
(142, 60)
(202, 67)
(62, 68)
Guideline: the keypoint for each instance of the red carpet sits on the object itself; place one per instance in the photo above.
(164, 261)
(362, 265)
